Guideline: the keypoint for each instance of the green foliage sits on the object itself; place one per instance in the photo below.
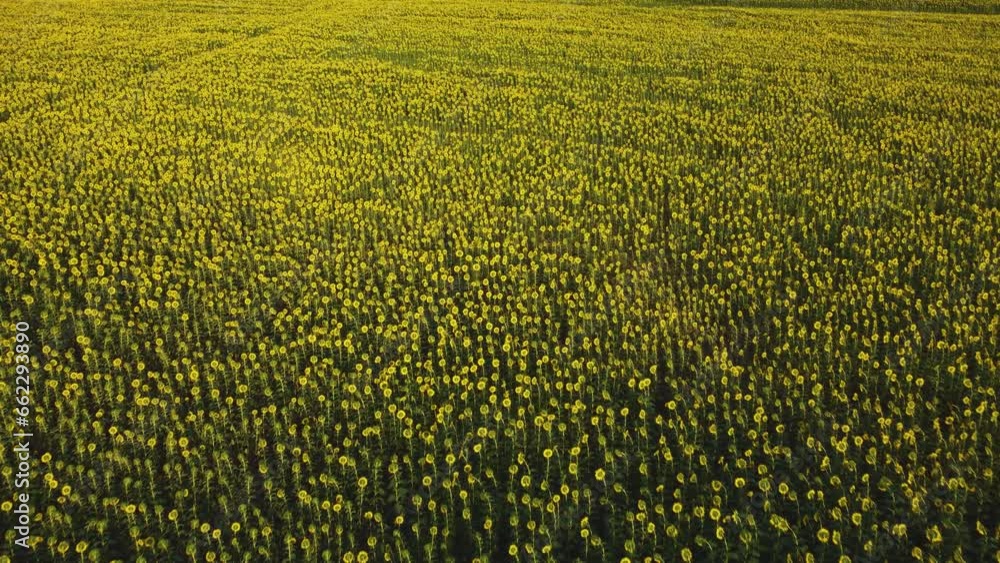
(447, 281)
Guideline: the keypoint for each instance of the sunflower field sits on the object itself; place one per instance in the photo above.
(410, 280)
